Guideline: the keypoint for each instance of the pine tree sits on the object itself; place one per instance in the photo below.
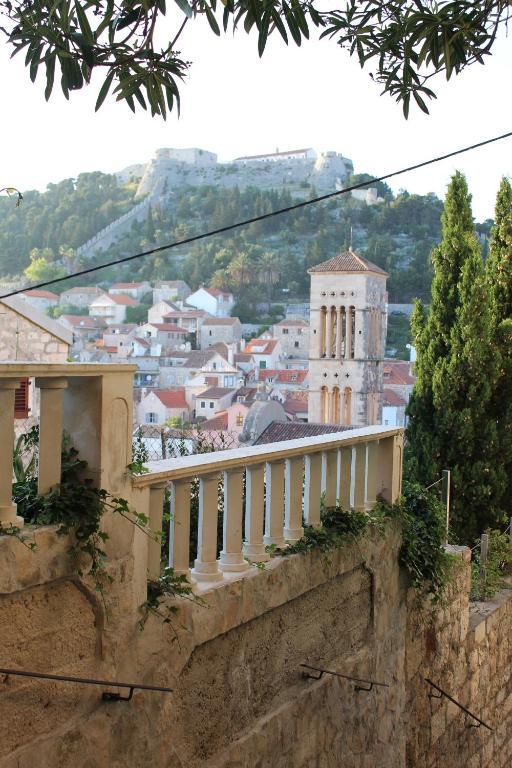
(499, 276)
(432, 334)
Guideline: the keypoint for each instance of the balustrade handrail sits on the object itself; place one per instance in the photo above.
(184, 467)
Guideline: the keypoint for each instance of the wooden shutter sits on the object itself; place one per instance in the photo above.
(21, 400)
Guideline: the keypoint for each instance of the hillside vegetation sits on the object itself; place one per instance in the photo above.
(257, 262)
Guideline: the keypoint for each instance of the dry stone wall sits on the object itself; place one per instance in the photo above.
(239, 699)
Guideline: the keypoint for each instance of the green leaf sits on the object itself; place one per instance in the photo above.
(212, 21)
(84, 23)
(185, 7)
(50, 74)
(102, 95)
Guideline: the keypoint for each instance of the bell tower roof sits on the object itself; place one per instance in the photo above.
(348, 261)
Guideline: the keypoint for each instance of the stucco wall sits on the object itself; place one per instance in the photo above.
(239, 700)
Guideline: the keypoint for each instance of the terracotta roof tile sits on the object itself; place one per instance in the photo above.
(215, 393)
(398, 372)
(391, 398)
(292, 430)
(120, 298)
(347, 261)
(171, 398)
(221, 321)
(218, 423)
(36, 293)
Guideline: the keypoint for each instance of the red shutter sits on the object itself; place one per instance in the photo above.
(21, 400)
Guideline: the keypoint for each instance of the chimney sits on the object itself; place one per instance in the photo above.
(231, 354)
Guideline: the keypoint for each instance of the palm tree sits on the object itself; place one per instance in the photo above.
(269, 272)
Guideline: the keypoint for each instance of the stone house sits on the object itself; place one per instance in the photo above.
(135, 290)
(160, 309)
(170, 290)
(213, 400)
(160, 405)
(397, 377)
(294, 337)
(266, 352)
(220, 329)
(83, 327)
(40, 299)
(212, 300)
(120, 335)
(231, 420)
(393, 409)
(284, 379)
(169, 335)
(111, 308)
(80, 296)
(26, 333)
(191, 319)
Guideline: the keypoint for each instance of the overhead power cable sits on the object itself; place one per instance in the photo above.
(262, 217)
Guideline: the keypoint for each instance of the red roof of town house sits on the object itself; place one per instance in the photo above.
(38, 294)
(168, 327)
(127, 285)
(221, 321)
(122, 299)
(288, 376)
(291, 430)
(217, 423)
(216, 293)
(261, 346)
(398, 373)
(171, 398)
(297, 394)
(193, 313)
(294, 407)
(292, 323)
(142, 342)
(391, 398)
(215, 393)
(84, 321)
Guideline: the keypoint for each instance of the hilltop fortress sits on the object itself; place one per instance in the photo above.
(198, 167)
(172, 169)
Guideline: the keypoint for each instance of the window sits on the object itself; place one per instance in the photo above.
(296, 344)
(263, 364)
(203, 404)
(212, 404)
(209, 333)
(214, 366)
(285, 331)
(239, 420)
(299, 331)
(151, 418)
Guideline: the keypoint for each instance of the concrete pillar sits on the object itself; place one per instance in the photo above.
(274, 506)
(360, 477)
(293, 477)
(231, 558)
(50, 432)
(179, 533)
(312, 489)
(206, 567)
(156, 509)
(329, 477)
(346, 478)
(254, 548)
(8, 514)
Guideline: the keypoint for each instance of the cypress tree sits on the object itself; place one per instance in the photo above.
(499, 276)
(451, 421)
(463, 388)
(432, 334)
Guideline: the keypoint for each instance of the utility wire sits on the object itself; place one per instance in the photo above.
(262, 217)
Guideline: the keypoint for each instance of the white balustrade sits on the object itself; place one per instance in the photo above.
(283, 486)
(8, 512)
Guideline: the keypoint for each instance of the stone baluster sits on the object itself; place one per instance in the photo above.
(254, 548)
(179, 533)
(389, 468)
(231, 558)
(50, 432)
(346, 497)
(206, 567)
(360, 477)
(293, 478)
(8, 514)
(274, 504)
(330, 477)
(156, 510)
(312, 489)
(371, 477)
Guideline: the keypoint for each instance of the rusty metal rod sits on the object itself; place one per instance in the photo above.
(458, 704)
(371, 683)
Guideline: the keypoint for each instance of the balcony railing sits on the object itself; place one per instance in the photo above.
(267, 491)
(284, 484)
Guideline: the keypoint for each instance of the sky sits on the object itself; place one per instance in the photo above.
(234, 103)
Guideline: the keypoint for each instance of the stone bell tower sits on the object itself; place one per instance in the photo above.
(347, 341)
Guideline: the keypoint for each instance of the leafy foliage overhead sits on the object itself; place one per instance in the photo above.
(403, 43)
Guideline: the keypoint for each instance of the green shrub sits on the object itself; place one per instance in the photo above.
(489, 577)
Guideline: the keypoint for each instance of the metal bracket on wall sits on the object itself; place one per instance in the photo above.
(357, 688)
(106, 695)
(441, 693)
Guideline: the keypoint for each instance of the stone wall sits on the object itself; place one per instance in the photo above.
(22, 339)
(239, 698)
